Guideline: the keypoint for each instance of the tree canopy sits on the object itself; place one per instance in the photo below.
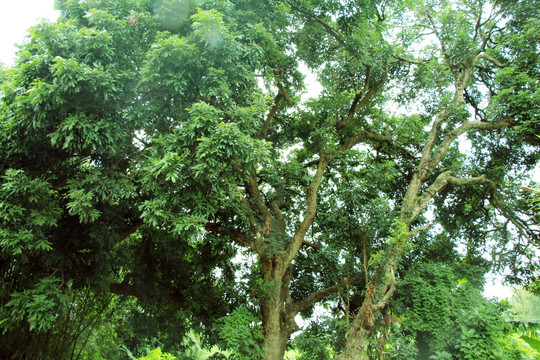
(167, 151)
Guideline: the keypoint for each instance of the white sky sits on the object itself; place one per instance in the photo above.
(16, 16)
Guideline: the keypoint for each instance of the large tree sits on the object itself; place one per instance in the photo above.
(146, 144)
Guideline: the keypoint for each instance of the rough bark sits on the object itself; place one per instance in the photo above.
(278, 327)
(277, 309)
(354, 348)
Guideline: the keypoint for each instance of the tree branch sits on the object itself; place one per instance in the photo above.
(330, 30)
(470, 125)
(270, 116)
(318, 296)
(285, 94)
(311, 245)
(236, 236)
(421, 203)
(497, 203)
(410, 61)
(364, 135)
(131, 229)
(294, 5)
(311, 210)
(418, 230)
(130, 290)
(361, 100)
(491, 59)
(528, 189)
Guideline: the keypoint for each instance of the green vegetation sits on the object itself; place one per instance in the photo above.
(168, 190)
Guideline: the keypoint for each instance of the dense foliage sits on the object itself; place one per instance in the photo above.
(165, 176)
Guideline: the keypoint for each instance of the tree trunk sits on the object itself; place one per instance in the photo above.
(378, 295)
(277, 311)
(276, 333)
(356, 343)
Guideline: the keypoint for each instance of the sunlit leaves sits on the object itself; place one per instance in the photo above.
(209, 27)
(228, 146)
(82, 205)
(240, 333)
(172, 15)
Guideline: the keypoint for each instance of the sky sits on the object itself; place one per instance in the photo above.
(16, 16)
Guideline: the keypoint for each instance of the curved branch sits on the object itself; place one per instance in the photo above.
(285, 94)
(470, 125)
(270, 116)
(125, 289)
(364, 135)
(361, 100)
(411, 210)
(311, 245)
(294, 5)
(440, 182)
(410, 61)
(491, 59)
(131, 229)
(318, 296)
(237, 236)
(497, 203)
(311, 210)
(418, 230)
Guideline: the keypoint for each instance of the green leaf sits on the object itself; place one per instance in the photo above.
(533, 342)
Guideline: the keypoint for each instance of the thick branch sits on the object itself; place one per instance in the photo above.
(381, 304)
(497, 203)
(257, 200)
(364, 135)
(478, 180)
(491, 59)
(314, 298)
(318, 296)
(236, 236)
(352, 111)
(311, 245)
(328, 28)
(410, 61)
(440, 182)
(252, 188)
(311, 210)
(361, 100)
(270, 116)
(528, 189)
(434, 134)
(471, 101)
(470, 125)
(411, 208)
(285, 94)
(132, 228)
(123, 289)
(129, 290)
(418, 230)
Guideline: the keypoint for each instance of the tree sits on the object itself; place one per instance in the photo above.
(70, 196)
(145, 145)
(448, 315)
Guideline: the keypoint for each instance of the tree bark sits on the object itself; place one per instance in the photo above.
(278, 327)
(277, 309)
(354, 348)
